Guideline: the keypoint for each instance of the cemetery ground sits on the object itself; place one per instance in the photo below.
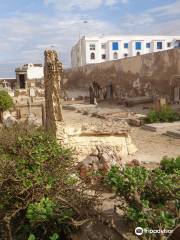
(151, 146)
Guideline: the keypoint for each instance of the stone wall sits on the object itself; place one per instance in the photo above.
(146, 75)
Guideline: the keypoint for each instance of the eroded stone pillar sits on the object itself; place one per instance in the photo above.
(52, 79)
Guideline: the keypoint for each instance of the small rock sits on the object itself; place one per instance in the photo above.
(33, 120)
(8, 120)
(134, 163)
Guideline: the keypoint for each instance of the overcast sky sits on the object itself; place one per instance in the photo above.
(27, 27)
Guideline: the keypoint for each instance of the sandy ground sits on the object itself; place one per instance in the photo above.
(151, 146)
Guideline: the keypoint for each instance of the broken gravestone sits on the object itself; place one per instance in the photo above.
(98, 147)
(52, 79)
(8, 120)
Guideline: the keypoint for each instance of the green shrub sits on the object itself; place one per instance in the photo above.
(31, 237)
(161, 187)
(127, 181)
(6, 101)
(151, 218)
(55, 236)
(170, 165)
(137, 216)
(149, 198)
(152, 117)
(37, 200)
(166, 114)
(40, 211)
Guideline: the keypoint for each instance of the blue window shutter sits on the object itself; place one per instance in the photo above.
(138, 45)
(126, 45)
(148, 45)
(159, 45)
(115, 46)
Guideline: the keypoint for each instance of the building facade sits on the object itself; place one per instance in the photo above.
(91, 50)
(29, 75)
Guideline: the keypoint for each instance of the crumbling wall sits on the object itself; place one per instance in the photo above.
(145, 75)
(52, 78)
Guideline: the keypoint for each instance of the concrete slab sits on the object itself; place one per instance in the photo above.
(75, 107)
(174, 134)
(162, 127)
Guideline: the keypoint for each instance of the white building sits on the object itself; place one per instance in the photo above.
(29, 74)
(91, 50)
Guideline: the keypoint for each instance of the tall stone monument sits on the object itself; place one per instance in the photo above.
(53, 71)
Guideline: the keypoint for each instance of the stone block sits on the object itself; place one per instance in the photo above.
(8, 120)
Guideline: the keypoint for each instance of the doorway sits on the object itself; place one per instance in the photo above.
(22, 81)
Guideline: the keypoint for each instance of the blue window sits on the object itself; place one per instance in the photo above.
(159, 45)
(115, 46)
(126, 45)
(138, 45)
(148, 45)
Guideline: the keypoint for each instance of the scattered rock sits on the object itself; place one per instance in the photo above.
(8, 120)
(134, 163)
(98, 230)
(92, 165)
(85, 113)
(135, 122)
(33, 120)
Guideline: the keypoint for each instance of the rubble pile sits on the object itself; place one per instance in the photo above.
(98, 162)
(97, 147)
(8, 120)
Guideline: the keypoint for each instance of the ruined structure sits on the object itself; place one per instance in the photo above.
(29, 75)
(146, 75)
(52, 78)
(91, 140)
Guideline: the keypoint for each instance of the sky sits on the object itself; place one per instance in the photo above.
(28, 27)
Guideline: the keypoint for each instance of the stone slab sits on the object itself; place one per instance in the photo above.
(175, 133)
(138, 100)
(162, 127)
(75, 107)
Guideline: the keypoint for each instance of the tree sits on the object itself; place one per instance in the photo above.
(6, 102)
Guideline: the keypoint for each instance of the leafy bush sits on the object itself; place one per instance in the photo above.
(36, 199)
(170, 165)
(149, 198)
(166, 114)
(40, 211)
(6, 101)
(162, 187)
(128, 181)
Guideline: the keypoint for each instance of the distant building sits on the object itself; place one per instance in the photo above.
(91, 50)
(29, 75)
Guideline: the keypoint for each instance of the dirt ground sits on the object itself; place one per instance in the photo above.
(151, 146)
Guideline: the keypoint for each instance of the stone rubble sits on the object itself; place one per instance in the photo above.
(33, 120)
(8, 120)
(100, 161)
(97, 147)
